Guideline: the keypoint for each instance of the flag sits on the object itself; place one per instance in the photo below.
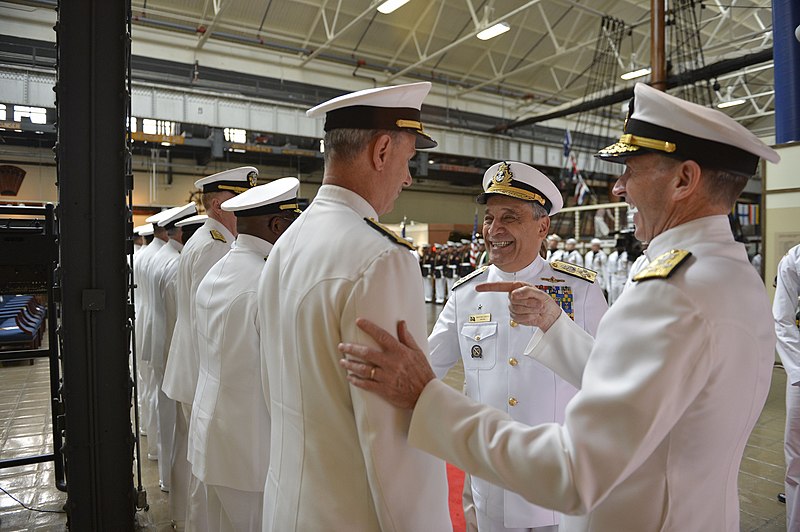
(581, 188)
(567, 143)
(473, 247)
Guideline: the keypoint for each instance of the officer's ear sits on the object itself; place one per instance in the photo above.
(687, 180)
(379, 150)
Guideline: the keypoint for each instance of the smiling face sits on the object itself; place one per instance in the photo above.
(512, 232)
(396, 174)
(644, 186)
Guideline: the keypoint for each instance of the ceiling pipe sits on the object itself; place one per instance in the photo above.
(658, 63)
(707, 72)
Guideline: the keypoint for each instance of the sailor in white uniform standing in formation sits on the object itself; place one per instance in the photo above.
(786, 312)
(477, 328)
(572, 255)
(596, 259)
(209, 244)
(161, 283)
(230, 425)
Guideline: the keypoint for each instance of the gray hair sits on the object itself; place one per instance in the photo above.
(346, 144)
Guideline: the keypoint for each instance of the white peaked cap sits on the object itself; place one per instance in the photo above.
(523, 182)
(397, 107)
(197, 219)
(660, 123)
(272, 198)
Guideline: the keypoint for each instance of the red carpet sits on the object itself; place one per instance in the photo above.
(455, 481)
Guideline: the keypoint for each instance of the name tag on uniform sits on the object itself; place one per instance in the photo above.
(480, 318)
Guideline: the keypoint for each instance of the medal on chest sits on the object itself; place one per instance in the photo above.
(561, 295)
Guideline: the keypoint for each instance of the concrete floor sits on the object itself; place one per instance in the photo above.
(25, 430)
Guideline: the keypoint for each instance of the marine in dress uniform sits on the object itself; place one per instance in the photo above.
(163, 267)
(477, 327)
(209, 244)
(677, 375)
(785, 310)
(339, 457)
(229, 429)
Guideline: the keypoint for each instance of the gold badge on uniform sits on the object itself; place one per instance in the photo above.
(476, 351)
(216, 235)
(479, 318)
(553, 280)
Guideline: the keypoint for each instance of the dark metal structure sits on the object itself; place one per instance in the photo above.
(91, 90)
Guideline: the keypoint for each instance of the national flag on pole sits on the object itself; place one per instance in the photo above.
(473, 247)
(567, 143)
(581, 188)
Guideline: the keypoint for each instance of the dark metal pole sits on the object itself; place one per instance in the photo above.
(658, 64)
(91, 154)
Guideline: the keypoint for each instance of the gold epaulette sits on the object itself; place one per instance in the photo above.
(388, 233)
(663, 266)
(576, 271)
(216, 235)
(470, 277)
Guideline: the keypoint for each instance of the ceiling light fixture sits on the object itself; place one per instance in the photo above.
(731, 103)
(391, 5)
(635, 74)
(493, 31)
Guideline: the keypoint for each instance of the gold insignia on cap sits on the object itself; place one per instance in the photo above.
(469, 277)
(252, 179)
(663, 266)
(237, 190)
(576, 271)
(216, 235)
(503, 183)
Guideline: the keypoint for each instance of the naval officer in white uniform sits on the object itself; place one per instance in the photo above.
(163, 267)
(209, 244)
(339, 458)
(229, 429)
(477, 328)
(676, 378)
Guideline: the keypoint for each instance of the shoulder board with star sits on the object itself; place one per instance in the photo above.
(664, 265)
(388, 233)
(470, 277)
(576, 271)
(216, 235)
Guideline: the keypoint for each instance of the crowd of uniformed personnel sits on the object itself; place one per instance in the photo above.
(261, 344)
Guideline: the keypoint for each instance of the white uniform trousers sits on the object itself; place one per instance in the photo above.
(441, 290)
(791, 449)
(428, 284)
(150, 399)
(232, 510)
(166, 434)
(180, 469)
(487, 525)
(141, 394)
(197, 502)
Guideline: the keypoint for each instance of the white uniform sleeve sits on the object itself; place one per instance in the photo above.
(443, 341)
(391, 290)
(572, 467)
(784, 310)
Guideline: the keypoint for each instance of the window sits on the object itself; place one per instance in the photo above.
(132, 121)
(151, 126)
(235, 135)
(37, 115)
(2, 111)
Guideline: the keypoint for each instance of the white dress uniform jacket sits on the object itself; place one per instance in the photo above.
(785, 313)
(339, 455)
(209, 244)
(145, 322)
(670, 390)
(229, 429)
(784, 310)
(477, 328)
(618, 268)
